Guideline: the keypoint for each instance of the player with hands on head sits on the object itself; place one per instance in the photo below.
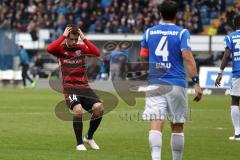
(77, 92)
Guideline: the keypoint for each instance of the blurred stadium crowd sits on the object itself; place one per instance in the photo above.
(110, 16)
(107, 16)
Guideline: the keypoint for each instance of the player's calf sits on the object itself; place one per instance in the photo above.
(177, 140)
(94, 124)
(78, 126)
(177, 145)
(155, 141)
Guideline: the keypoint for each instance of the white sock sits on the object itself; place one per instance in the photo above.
(177, 144)
(155, 141)
(235, 119)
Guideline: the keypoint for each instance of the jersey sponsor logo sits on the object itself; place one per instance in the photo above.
(173, 33)
(78, 52)
(69, 61)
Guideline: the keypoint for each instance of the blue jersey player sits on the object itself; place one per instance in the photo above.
(232, 49)
(167, 47)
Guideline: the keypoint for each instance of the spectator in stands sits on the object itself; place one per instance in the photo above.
(223, 27)
(61, 23)
(24, 62)
(32, 29)
(62, 9)
(47, 21)
(230, 13)
(222, 5)
(105, 3)
(108, 16)
(31, 8)
(212, 30)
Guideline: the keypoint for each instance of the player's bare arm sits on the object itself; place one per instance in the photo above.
(190, 65)
(225, 60)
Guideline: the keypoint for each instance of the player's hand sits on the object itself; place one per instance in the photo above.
(218, 80)
(67, 31)
(81, 35)
(198, 93)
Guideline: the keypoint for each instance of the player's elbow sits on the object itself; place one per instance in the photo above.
(50, 49)
(187, 56)
(97, 52)
(188, 59)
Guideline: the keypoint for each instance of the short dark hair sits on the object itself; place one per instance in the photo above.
(236, 22)
(169, 10)
(74, 29)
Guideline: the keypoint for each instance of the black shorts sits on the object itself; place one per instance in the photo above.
(86, 97)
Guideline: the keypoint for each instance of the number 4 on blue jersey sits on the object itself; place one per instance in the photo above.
(164, 44)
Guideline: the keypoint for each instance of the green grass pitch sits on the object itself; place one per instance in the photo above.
(29, 130)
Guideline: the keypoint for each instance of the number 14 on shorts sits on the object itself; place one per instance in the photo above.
(72, 97)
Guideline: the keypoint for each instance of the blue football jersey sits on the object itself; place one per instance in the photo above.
(165, 43)
(232, 42)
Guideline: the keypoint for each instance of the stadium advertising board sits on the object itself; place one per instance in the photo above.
(208, 76)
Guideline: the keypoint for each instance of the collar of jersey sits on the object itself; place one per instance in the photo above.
(164, 23)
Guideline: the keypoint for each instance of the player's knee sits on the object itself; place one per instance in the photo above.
(77, 110)
(177, 127)
(98, 109)
(235, 101)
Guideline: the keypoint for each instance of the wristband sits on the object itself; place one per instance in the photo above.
(195, 79)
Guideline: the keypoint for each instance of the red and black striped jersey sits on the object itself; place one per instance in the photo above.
(72, 62)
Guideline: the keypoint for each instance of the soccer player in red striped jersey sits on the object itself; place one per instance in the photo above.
(77, 92)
